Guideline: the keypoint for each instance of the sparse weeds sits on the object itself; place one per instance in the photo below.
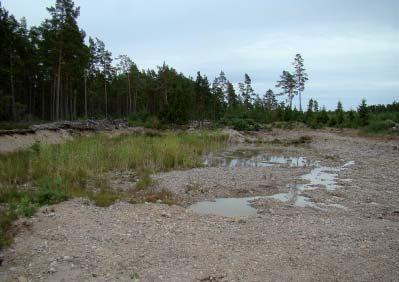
(154, 196)
(302, 140)
(145, 180)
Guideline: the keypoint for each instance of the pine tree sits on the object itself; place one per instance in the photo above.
(315, 106)
(340, 113)
(104, 68)
(363, 113)
(232, 99)
(323, 118)
(287, 84)
(269, 100)
(300, 77)
(309, 112)
(218, 98)
(246, 91)
(65, 42)
(124, 66)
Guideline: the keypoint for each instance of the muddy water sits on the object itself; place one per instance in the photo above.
(319, 177)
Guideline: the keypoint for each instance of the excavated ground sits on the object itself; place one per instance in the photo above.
(76, 241)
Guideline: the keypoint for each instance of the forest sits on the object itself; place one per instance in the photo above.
(54, 72)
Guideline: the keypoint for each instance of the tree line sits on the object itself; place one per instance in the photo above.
(52, 72)
(48, 72)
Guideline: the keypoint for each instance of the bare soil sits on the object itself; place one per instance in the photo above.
(76, 241)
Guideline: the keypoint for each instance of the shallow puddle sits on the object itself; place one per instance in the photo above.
(252, 158)
(319, 177)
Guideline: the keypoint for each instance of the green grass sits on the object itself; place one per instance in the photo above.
(77, 167)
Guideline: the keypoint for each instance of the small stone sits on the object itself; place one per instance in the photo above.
(67, 258)
(13, 269)
(164, 214)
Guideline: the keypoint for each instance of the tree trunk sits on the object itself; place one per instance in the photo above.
(53, 90)
(85, 96)
(135, 101)
(43, 111)
(300, 101)
(14, 116)
(128, 91)
(290, 98)
(57, 100)
(106, 99)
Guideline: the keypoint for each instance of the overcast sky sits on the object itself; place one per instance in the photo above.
(350, 47)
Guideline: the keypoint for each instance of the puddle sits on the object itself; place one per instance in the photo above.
(319, 177)
(252, 158)
(294, 198)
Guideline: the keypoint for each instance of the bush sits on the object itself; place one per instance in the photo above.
(363, 113)
(379, 126)
(50, 193)
(242, 124)
(26, 207)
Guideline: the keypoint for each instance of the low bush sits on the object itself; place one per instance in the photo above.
(380, 126)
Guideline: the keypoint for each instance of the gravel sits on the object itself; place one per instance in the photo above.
(156, 242)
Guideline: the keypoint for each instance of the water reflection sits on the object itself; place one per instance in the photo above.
(252, 158)
(318, 177)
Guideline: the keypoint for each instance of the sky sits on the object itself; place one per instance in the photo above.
(350, 47)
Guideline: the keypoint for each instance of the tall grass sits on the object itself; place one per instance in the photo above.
(57, 172)
(78, 160)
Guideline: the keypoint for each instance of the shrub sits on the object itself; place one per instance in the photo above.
(50, 193)
(26, 207)
(363, 113)
(379, 126)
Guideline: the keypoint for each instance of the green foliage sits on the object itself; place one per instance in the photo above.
(242, 124)
(25, 207)
(50, 192)
(58, 172)
(380, 126)
(145, 180)
(363, 113)
(322, 117)
(339, 112)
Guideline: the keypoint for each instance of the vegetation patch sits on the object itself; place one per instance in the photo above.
(74, 169)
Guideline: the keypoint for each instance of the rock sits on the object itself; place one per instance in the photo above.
(67, 258)
(164, 214)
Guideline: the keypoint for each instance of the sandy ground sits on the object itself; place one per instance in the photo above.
(76, 241)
